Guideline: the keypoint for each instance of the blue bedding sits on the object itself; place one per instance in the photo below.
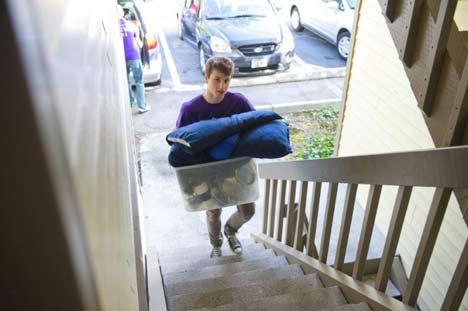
(259, 134)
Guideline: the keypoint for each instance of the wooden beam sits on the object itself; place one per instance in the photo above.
(345, 226)
(274, 194)
(459, 115)
(366, 232)
(290, 227)
(458, 285)
(393, 236)
(328, 221)
(389, 9)
(438, 48)
(426, 246)
(411, 32)
(441, 167)
(311, 249)
(300, 217)
(266, 203)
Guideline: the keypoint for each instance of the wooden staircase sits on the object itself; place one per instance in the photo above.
(434, 52)
(256, 280)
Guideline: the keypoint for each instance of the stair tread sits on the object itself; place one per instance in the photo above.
(188, 265)
(205, 252)
(226, 296)
(223, 270)
(201, 248)
(234, 280)
(353, 307)
(314, 300)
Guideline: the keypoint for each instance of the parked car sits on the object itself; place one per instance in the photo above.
(249, 32)
(151, 51)
(330, 19)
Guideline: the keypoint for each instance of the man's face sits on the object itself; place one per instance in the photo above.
(217, 84)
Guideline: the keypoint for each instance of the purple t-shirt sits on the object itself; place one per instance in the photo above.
(129, 31)
(199, 109)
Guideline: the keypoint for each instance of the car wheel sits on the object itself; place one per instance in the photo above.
(296, 20)
(201, 57)
(344, 44)
(154, 83)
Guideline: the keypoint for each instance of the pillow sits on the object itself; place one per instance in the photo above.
(270, 140)
(201, 135)
(223, 149)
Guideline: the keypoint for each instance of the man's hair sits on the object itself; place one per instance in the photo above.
(222, 64)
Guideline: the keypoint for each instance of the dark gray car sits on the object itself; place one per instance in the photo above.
(249, 32)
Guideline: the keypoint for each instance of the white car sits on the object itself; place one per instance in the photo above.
(330, 19)
(151, 51)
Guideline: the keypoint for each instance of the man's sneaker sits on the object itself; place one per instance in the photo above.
(146, 109)
(216, 252)
(234, 243)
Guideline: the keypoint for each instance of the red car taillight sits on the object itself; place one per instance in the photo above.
(152, 43)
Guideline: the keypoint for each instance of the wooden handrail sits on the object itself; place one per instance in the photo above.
(441, 167)
(444, 169)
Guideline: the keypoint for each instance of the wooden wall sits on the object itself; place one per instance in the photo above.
(381, 114)
(68, 185)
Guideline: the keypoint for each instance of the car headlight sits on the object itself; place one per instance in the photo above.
(219, 45)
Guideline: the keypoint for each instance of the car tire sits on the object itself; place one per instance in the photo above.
(296, 20)
(154, 83)
(201, 59)
(343, 44)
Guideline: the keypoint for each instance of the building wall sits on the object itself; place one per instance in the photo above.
(381, 115)
(72, 56)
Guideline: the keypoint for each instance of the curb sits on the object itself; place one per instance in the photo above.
(285, 77)
(280, 77)
(300, 106)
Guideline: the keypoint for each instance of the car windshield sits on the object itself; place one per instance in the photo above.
(223, 9)
(352, 3)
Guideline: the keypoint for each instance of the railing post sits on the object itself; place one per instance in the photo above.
(290, 230)
(366, 232)
(274, 194)
(345, 225)
(426, 246)
(328, 222)
(300, 217)
(311, 249)
(393, 236)
(266, 201)
(279, 223)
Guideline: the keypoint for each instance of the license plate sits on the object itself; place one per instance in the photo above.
(259, 62)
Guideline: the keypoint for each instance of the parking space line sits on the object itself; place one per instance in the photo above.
(169, 59)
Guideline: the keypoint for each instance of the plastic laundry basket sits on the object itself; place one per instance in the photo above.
(218, 184)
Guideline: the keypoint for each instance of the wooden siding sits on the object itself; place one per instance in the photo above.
(74, 64)
(381, 114)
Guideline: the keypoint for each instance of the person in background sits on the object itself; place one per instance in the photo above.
(132, 45)
(217, 102)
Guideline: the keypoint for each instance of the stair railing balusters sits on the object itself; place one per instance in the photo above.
(393, 236)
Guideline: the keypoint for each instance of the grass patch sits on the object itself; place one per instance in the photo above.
(312, 132)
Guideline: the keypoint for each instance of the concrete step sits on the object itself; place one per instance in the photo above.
(205, 253)
(224, 270)
(320, 299)
(354, 307)
(249, 292)
(188, 265)
(233, 280)
(201, 249)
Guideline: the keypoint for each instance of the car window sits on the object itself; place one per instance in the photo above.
(222, 9)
